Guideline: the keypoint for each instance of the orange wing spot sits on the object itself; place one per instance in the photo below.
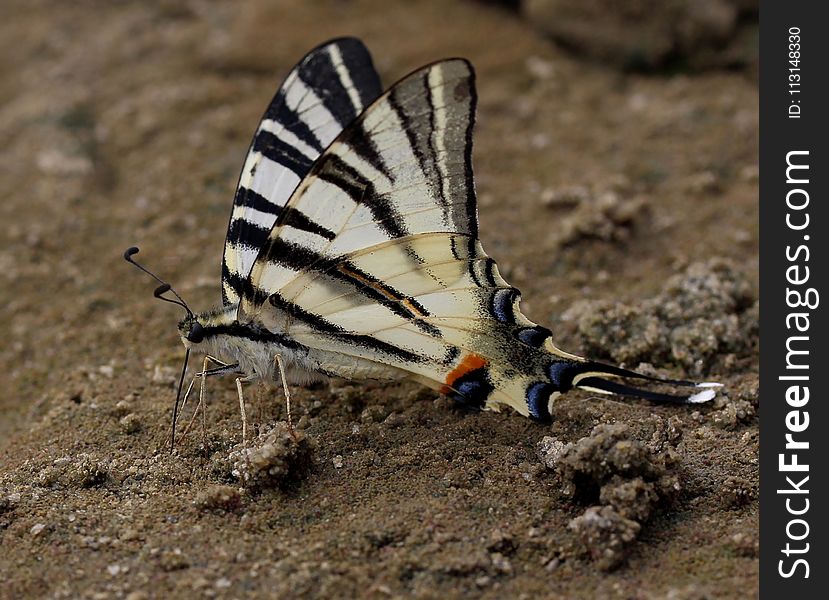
(470, 362)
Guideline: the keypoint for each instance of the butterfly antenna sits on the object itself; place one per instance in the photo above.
(161, 289)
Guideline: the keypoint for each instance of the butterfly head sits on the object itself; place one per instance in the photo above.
(208, 331)
(191, 331)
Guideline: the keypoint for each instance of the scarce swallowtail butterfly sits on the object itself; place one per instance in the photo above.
(352, 251)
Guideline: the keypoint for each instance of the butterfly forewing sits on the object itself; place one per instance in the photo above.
(394, 172)
(325, 92)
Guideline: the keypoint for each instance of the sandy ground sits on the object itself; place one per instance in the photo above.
(631, 197)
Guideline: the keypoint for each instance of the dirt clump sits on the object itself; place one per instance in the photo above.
(73, 472)
(630, 479)
(609, 456)
(649, 34)
(608, 215)
(705, 315)
(276, 458)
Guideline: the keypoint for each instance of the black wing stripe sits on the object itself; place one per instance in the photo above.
(410, 129)
(382, 293)
(247, 234)
(489, 271)
(234, 280)
(252, 199)
(367, 150)
(287, 118)
(358, 64)
(437, 174)
(469, 176)
(256, 334)
(280, 152)
(319, 73)
(336, 172)
(299, 220)
(318, 323)
(298, 258)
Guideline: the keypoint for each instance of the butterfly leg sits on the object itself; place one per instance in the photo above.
(239, 382)
(203, 404)
(278, 359)
(180, 409)
(222, 369)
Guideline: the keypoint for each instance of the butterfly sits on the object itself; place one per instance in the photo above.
(353, 251)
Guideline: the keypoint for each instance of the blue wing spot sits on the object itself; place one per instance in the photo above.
(472, 389)
(502, 305)
(538, 399)
(562, 373)
(534, 336)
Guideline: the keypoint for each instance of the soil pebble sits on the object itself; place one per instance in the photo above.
(607, 456)
(549, 451)
(745, 544)
(81, 471)
(218, 498)
(736, 492)
(733, 414)
(130, 423)
(608, 216)
(606, 535)
(632, 499)
(689, 592)
(8, 502)
(173, 560)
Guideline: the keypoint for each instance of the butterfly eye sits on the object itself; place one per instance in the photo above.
(196, 334)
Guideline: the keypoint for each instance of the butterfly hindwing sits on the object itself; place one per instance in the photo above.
(432, 318)
(325, 92)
